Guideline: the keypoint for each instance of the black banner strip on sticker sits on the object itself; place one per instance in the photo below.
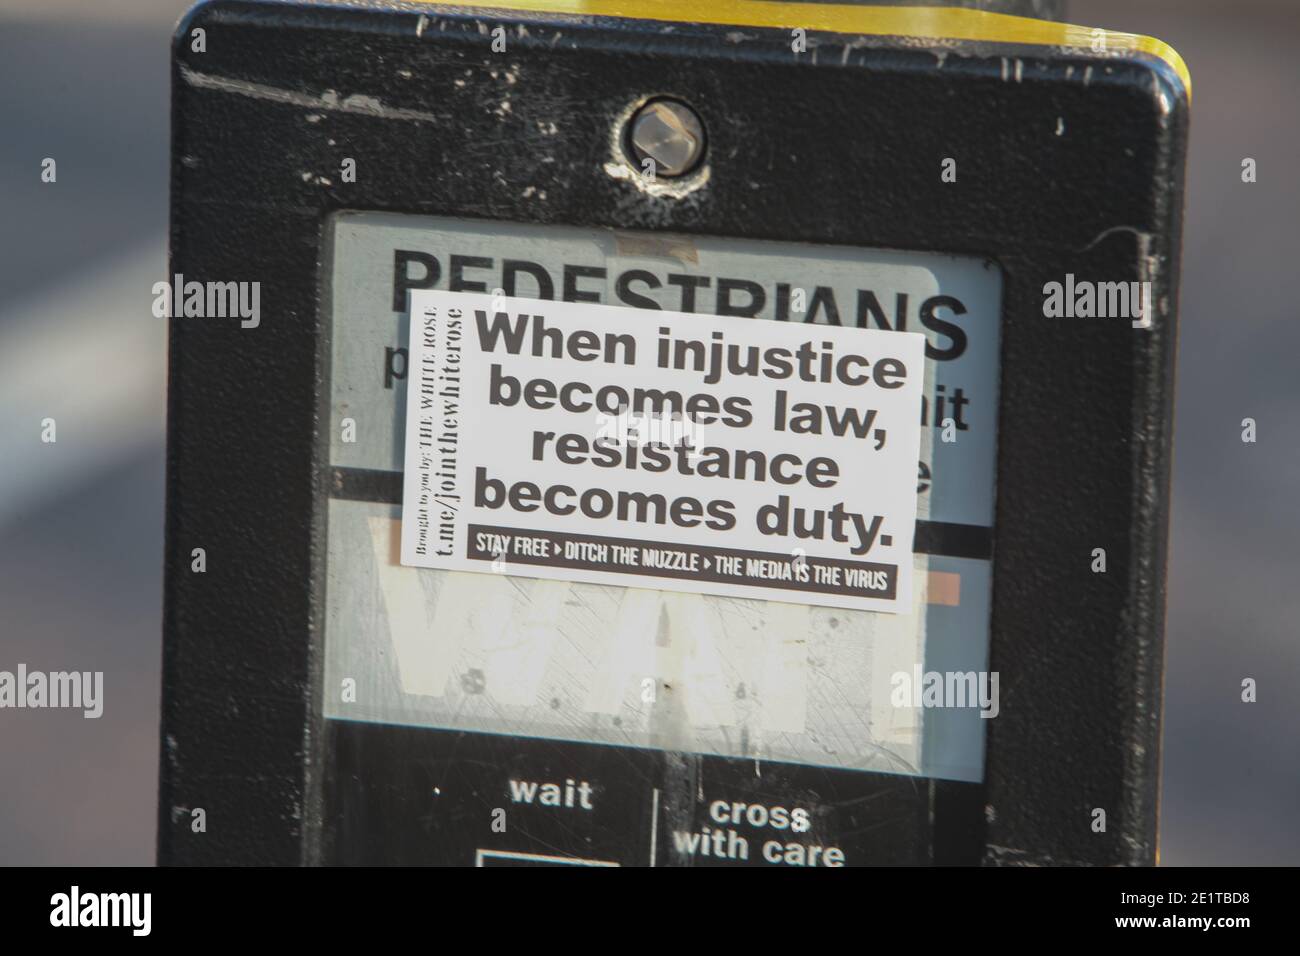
(778, 570)
(932, 537)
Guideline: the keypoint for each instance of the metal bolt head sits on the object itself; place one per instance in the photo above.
(670, 134)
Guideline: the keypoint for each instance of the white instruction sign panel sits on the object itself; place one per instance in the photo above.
(655, 449)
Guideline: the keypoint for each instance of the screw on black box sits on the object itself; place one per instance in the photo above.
(667, 133)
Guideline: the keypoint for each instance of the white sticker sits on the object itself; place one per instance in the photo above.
(655, 449)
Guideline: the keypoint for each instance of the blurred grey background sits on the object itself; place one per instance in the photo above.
(81, 520)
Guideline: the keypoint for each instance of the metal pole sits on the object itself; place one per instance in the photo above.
(1039, 9)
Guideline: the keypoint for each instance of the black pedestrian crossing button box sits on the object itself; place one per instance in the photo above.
(615, 434)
